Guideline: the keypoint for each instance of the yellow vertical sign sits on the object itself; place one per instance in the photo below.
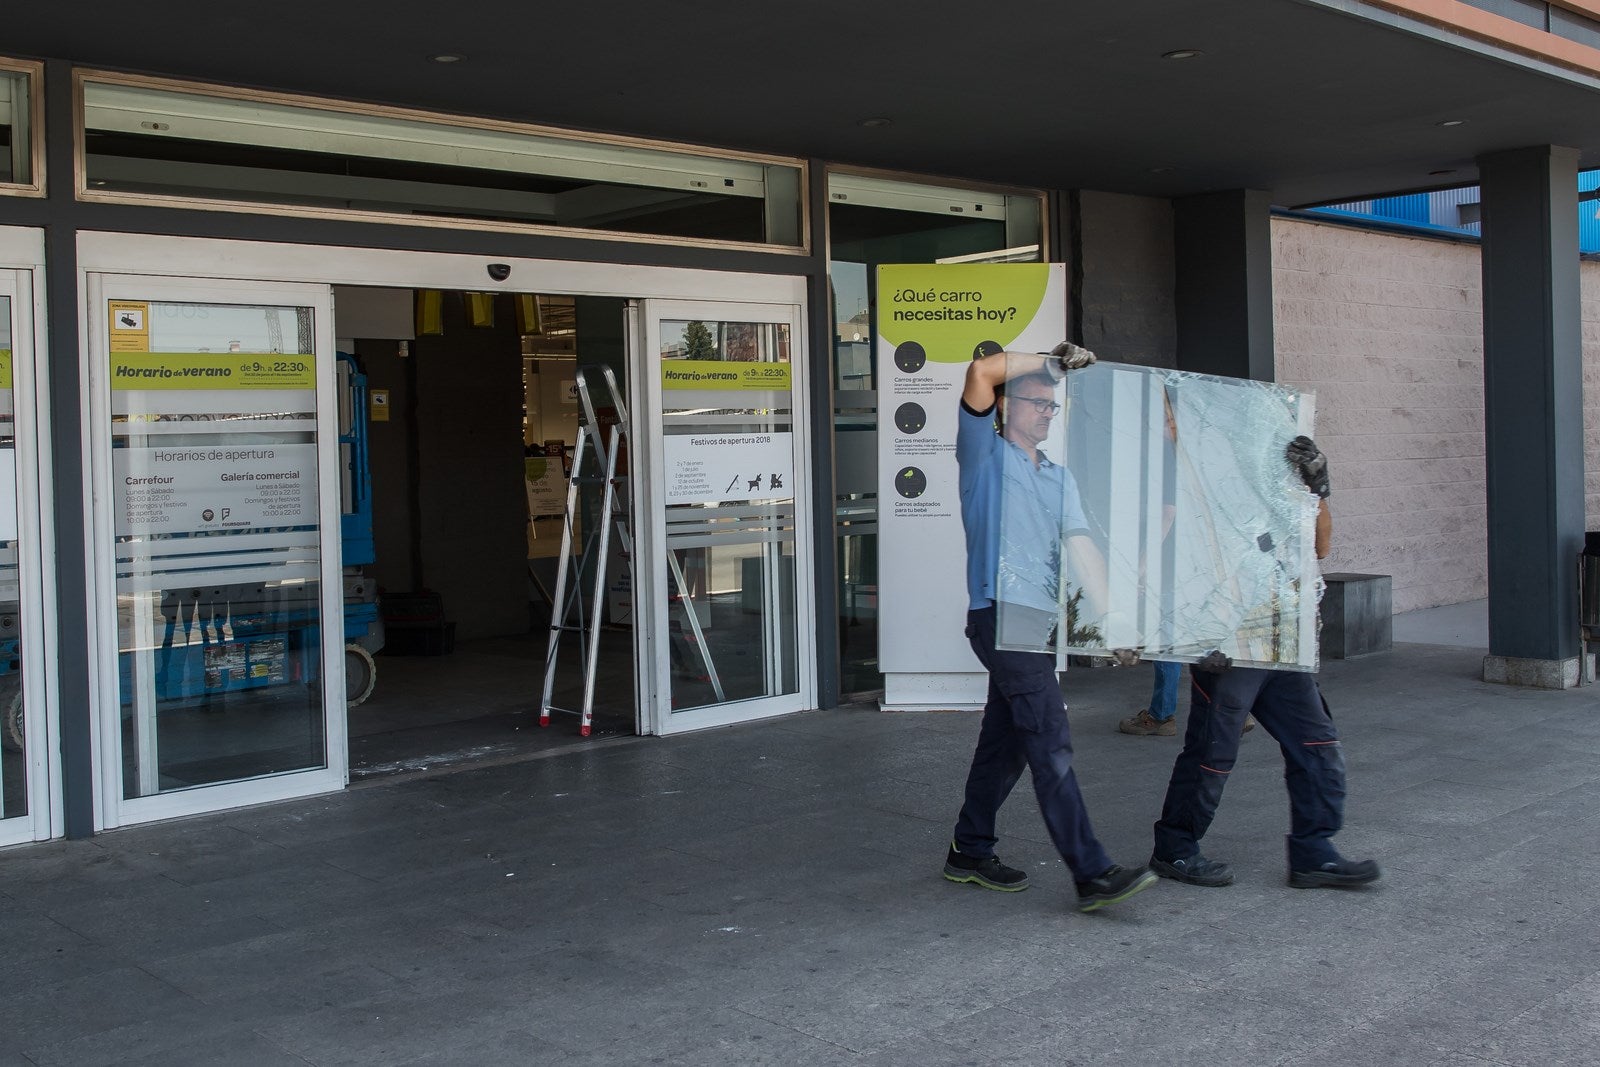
(130, 325)
(5, 368)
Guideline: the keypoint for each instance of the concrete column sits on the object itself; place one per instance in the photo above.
(1223, 283)
(1533, 414)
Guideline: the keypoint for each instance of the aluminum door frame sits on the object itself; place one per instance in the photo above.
(651, 560)
(113, 809)
(21, 279)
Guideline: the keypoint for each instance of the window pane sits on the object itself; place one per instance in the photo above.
(144, 140)
(728, 423)
(13, 765)
(873, 221)
(16, 164)
(214, 459)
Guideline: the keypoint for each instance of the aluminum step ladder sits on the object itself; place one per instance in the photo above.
(568, 608)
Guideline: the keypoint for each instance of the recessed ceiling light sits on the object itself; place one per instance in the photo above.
(1451, 122)
(1182, 53)
(448, 57)
(875, 123)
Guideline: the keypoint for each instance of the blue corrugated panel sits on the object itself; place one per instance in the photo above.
(1588, 212)
(1457, 210)
(1412, 208)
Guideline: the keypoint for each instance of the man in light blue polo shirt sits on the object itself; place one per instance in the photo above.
(1024, 720)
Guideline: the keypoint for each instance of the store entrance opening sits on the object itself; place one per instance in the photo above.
(462, 414)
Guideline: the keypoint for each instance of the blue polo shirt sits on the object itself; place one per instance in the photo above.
(1042, 510)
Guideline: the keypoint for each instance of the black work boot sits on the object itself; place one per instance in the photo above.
(1194, 870)
(986, 871)
(1113, 885)
(1336, 874)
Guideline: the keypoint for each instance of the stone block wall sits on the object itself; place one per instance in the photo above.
(1388, 331)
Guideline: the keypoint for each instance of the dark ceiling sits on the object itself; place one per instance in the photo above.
(1295, 97)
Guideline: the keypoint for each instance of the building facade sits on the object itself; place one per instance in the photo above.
(299, 343)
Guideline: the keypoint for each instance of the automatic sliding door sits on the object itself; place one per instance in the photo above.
(222, 608)
(730, 558)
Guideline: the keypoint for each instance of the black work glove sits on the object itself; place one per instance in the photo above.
(1067, 356)
(1309, 462)
(1213, 662)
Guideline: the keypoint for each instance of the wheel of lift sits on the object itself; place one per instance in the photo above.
(360, 674)
(12, 735)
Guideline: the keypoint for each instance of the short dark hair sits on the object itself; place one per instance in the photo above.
(1037, 376)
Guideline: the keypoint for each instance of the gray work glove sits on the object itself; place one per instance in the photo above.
(1123, 657)
(1067, 356)
(1309, 462)
(1213, 662)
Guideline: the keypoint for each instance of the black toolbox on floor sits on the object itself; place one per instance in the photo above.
(414, 624)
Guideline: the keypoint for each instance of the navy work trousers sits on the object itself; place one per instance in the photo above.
(1288, 706)
(1024, 724)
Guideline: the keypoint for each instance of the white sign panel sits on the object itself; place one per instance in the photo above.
(714, 468)
(933, 320)
(170, 489)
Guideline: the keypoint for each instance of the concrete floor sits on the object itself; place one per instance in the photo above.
(1458, 625)
(769, 894)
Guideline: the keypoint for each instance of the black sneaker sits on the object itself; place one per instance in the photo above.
(1195, 870)
(1335, 874)
(1115, 884)
(987, 871)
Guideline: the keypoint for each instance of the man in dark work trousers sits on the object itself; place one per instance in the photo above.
(1289, 706)
(1024, 721)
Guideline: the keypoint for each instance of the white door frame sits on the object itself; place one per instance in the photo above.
(278, 264)
(113, 809)
(21, 278)
(651, 592)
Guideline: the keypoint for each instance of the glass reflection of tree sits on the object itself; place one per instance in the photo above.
(698, 342)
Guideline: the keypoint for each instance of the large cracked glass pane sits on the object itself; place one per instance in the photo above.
(1159, 510)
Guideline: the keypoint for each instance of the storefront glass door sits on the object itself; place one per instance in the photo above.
(222, 633)
(24, 747)
(729, 548)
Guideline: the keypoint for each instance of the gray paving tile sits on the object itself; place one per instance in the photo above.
(1564, 1029)
(1215, 1026)
(159, 927)
(237, 1047)
(720, 1038)
(388, 1030)
(507, 1046)
(190, 1035)
(33, 1016)
(280, 974)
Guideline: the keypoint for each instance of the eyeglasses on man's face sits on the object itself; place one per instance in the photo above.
(1042, 404)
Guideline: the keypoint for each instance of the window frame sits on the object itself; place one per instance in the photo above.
(82, 77)
(33, 74)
